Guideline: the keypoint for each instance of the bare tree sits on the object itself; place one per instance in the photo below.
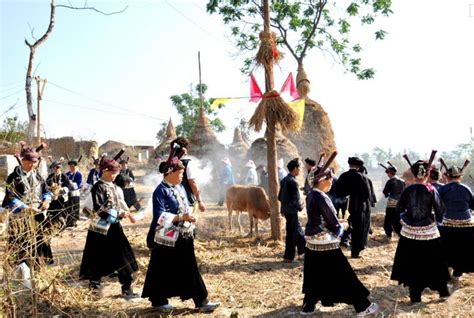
(33, 47)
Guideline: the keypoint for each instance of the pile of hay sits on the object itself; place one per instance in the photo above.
(238, 155)
(163, 149)
(316, 135)
(203, 142)
(285, 149)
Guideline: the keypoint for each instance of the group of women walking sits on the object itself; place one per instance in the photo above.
(435, 229)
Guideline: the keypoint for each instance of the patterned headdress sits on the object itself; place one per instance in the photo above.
(454, 171)
(73, 162)
(173, 163)
(110, 164)
(421, 168)
(29, 153)
(322, 170)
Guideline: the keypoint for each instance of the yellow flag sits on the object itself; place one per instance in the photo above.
(298, 107)
(215, 104)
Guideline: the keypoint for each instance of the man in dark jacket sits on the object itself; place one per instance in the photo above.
(354, 184)
(291, 204)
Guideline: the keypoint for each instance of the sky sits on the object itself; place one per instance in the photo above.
(110, 77)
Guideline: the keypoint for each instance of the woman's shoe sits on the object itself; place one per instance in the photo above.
(209, 307)
(372, 309)
(166, 309)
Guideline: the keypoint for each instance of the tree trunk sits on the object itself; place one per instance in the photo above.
(29, 99)
(29, 73)
(273, 184)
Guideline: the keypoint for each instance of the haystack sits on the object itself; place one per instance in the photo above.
(238, 155)
(316, 135)
(111, 147)
(203, 142)
(285, 149)
(163, 149)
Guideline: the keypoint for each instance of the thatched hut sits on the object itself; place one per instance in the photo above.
(163, 149)
(316, 135)
(285, 149)
(238, 155)
(203, 142)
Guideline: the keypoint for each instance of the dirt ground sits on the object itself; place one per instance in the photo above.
(246, 274)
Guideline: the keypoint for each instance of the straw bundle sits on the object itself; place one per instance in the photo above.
(273, 109)
(268, 53)
(302, 82)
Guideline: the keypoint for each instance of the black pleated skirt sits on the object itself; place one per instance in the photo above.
(458, 244)
(130, 196)
(329, 277)
(105, 254)
(420, 264)
(173, 272)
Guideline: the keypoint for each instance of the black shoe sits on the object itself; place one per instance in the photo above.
(129, 294)
(415, 297)
(444, 293)
(345, 244)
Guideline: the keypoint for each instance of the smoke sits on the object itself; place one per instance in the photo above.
(202, 171)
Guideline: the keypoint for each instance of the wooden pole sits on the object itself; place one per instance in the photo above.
(40, 90)
(200, 83)
(273, 182)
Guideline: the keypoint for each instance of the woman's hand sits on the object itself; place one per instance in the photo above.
(189, 218)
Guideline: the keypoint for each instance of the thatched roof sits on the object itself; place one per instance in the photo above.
(238, 155)
(238, 144)
(170, 131)
(203, 142)
(163, 149)
(316, 135)
(285, 149)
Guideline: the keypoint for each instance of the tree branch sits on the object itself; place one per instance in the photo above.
(92, 8)
(32, 30)
(283, 33)
(321, 5)
(48, 32)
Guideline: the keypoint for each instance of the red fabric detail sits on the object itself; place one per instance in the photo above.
(430, 187)
(275, 53)
(255, 92)
(290, 87)
(170, 233)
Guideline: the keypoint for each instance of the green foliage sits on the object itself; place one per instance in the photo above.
(188, 105)
(303, 25)
(161, 134)
(13, 130)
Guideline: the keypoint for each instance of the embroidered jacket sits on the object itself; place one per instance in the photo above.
(25, 189)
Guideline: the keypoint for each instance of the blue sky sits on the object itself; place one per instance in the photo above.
(111, 76)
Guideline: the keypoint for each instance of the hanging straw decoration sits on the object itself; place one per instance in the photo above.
(302, 82)
(268, 53)
(273, 109)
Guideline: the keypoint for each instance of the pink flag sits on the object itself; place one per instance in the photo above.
(289, 86)
(255, 92)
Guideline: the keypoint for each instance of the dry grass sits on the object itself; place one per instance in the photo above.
(247, 275)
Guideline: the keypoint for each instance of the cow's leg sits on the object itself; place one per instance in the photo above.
(238, 221)
(230, 219)
(251, 225)
(256, 229)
